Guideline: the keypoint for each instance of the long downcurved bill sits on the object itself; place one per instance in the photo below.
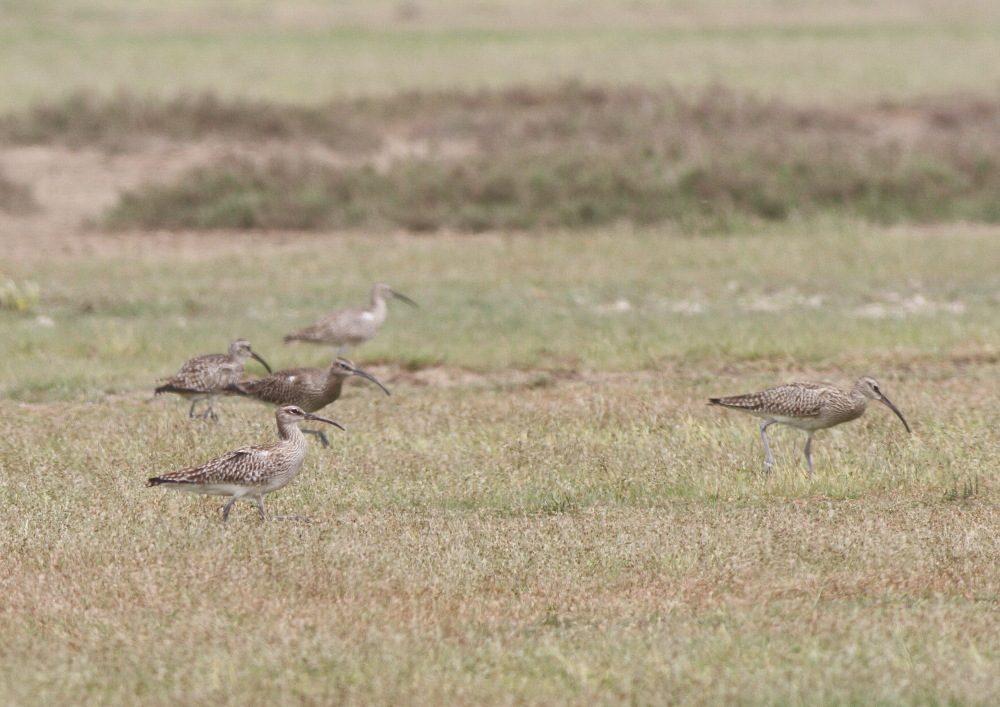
(373, 379)
(892, 407)
(262, 362)
(309, 416)
(405, 299)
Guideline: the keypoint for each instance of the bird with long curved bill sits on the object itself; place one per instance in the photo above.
(247, 473)
(808, 406)
(207, 377)
(312, 389)
(351, 326)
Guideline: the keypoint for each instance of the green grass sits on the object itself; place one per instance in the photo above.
(582, 531)
(309, 55)
(829, 291)
(587, 542)
(545, 511)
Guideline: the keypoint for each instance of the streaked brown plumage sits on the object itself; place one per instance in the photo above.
(250, 472)
(209, 376)
(353, 326)
(808, 406)
(312, 389)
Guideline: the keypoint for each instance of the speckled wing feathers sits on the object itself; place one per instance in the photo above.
(279, 388)
(345, 326)
(348, 326)
(244, 466)
(210, 373)
(310, 388)
(798, 400)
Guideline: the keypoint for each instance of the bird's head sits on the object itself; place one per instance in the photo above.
(870, 388)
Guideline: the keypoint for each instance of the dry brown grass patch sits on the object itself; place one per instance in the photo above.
(566, 156)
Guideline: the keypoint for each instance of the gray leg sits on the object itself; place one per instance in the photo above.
(191, 411)
(320, 434)
(260, 507)
(809, 461)
(768, 459)
(210, 411)
(226, 508)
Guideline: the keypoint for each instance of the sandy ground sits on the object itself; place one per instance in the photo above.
(73, 188)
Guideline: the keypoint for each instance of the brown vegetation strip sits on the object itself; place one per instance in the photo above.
(567, 156)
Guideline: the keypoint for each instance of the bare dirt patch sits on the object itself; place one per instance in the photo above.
(73, 187)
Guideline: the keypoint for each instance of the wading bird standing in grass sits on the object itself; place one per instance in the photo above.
(353, 326)
(312, 389)
(808, 406)
(209, 376)
(249, 472)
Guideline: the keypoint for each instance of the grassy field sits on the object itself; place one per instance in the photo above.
(545, 511)
(310, 51)
(833, 292)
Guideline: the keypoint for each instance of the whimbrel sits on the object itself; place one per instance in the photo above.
(312, 389)
(210, 375)
(808, 406)
(249, 472)
(352, 326)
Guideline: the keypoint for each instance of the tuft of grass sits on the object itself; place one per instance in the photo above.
(18, 296)
(578, 156)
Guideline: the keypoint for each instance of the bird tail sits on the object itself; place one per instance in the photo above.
(235, 389)
(166, 480)
(168, 388)
(740, 402)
